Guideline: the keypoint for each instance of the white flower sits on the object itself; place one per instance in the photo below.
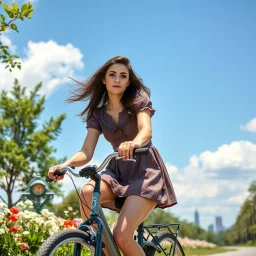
(2, 231)
(21, 205)
(70, 209)
(25, 233)
(6, 211)
(3, 206)
(28, 203)
(66, 212)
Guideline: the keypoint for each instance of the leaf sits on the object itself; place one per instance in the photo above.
(15, 6)
(24, 9)
(6, 7)
(2, 18)
(5, 52)
(14, 27)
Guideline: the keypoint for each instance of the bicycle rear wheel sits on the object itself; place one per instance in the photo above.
(62, 243)
(167, 242)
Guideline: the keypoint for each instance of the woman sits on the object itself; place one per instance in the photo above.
(120, 108)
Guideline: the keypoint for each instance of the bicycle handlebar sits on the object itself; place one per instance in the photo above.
(136, 152)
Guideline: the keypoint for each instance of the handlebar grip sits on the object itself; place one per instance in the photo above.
(141, 151)
(58, 173)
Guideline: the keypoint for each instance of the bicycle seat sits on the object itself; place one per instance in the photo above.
(119, 202)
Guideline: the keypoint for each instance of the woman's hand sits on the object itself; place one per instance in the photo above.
(126, 149)
(52, 171)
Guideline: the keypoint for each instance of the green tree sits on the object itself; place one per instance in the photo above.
(12, 14)
(244, 229)
(25, 148)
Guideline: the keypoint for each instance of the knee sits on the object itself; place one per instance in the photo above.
(86, 192)
(122, 237)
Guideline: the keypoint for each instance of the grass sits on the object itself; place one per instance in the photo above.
(247, 244)
(204, 251)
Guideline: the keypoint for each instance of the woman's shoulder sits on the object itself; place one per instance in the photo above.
(142, 102)
(96, 113)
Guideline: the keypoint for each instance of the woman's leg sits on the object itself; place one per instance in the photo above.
(134, 211)
(106, 195)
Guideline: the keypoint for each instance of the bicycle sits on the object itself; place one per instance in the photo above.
(155, 239)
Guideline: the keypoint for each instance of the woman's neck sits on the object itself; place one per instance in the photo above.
(114, 102)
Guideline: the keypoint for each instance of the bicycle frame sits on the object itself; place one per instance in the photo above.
(97, 216)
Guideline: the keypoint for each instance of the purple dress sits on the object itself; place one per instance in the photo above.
(148, 176)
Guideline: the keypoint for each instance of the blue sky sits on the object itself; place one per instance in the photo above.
(197, 57)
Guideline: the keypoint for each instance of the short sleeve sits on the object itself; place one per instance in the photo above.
(143, 102)
(93, 122)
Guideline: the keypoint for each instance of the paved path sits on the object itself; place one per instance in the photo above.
(240, 251)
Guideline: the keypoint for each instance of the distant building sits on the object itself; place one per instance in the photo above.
(197, 218)
(211, 228)
(219, 226)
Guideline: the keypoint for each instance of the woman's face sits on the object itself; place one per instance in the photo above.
(116, 79)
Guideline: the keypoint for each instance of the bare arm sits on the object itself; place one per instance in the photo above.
(145, 128)
(82, 157)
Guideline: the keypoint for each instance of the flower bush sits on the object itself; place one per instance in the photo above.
(187, 242)
(22, 231)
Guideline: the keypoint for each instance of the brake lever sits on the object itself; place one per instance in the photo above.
(129, 159)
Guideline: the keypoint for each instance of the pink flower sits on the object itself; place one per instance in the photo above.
(14, 210)
(77, 221)
(24, 246)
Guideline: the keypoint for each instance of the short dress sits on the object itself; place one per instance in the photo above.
(148, 176)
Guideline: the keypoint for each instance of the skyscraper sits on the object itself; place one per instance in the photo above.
(197, 218)
(219, 226)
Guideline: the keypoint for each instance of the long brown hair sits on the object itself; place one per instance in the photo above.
(95, 91)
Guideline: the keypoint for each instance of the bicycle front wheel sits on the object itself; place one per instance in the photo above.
(63, 242)
(169, 245)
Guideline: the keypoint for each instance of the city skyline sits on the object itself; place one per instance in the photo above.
(219, 227)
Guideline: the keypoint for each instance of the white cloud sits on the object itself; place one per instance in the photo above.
(7, 42)
(220, 189)
(250, 126)
(237, 155)
(239, 199)
(46, 62)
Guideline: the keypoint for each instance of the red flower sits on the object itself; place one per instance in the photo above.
(14, 229)
(14, 210)
(13, 218)
(24, 246)
(68, 223)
